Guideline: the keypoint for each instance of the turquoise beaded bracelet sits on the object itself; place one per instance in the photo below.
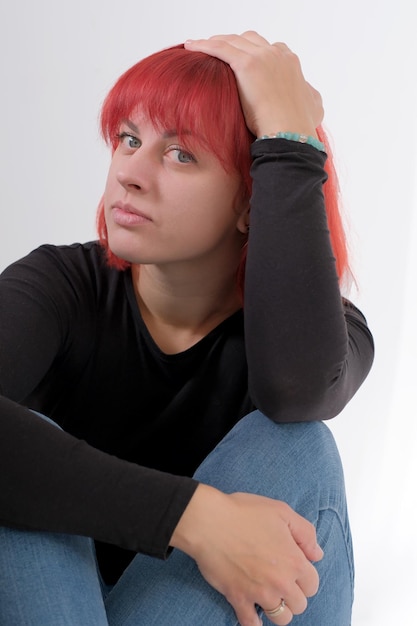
(311, 141)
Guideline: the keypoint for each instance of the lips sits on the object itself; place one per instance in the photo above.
(127, 215)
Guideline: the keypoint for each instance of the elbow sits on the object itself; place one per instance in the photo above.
(312, 400)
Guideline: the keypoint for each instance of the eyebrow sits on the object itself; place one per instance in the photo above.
(166, 135)
(131, 125)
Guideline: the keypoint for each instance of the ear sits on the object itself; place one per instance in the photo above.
(243, 220)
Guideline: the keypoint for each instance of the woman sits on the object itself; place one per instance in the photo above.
(186, 425)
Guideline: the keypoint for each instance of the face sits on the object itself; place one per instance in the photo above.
(165, 204)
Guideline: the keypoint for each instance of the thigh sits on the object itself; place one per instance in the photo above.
(164, 593)
(48, 579)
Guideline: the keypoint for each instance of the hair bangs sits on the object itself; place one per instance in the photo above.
(190, 93)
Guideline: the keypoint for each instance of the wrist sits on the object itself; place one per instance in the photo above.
(190, 531)
(270, 125)
(311, 140)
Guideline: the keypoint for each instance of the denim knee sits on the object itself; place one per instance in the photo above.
(295, 462)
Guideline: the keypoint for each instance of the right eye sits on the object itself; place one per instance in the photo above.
(129, 141)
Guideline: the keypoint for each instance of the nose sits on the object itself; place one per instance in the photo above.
(126, 181)
(134, 173)
(129, 178)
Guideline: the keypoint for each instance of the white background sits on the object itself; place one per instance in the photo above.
(57, 62)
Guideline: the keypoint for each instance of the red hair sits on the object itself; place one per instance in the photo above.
(197, 94)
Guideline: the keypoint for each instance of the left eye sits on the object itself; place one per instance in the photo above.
(182, 156)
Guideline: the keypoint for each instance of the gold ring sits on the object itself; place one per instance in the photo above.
(278, 610)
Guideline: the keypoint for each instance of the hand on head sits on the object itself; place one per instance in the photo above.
(274, 94)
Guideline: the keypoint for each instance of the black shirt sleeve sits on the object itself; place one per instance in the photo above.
(51, 480)
(308, 350)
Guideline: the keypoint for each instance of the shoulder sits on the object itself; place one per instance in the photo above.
(64, 262)
(62, 276)
(74, 255)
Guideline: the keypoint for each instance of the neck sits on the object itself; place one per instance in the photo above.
(180, 308)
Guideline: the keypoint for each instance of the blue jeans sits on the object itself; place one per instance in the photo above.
(49, 579)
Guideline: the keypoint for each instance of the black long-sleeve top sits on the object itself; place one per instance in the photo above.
(137, 422)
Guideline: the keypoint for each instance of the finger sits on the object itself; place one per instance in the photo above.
(295, 592)
(304, 535)
(280, 615)
(282, 46)
(308, 583)
(246, 614)
(246, 42)
(250, 36)
(224, 47)
(294, 584)
(255, 38)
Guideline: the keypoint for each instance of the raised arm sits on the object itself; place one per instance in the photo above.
(308, 351)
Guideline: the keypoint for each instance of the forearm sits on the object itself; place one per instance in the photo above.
(297, 338)
(52, 481)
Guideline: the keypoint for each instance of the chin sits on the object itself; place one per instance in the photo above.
(123, 247)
